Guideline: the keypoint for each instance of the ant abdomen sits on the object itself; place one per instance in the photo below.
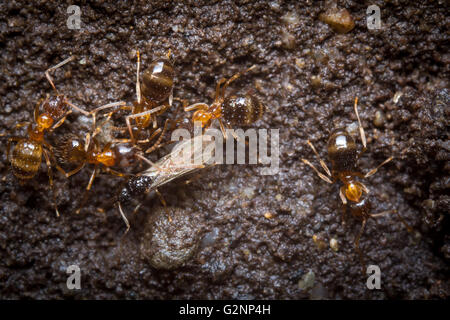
(242, 110)
(70, 149)
(362, 208)
(26, 159)
(125, 155)
(157, 81)
(342, 151)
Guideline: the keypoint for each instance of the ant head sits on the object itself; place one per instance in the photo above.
(44, 121)
(202, 116)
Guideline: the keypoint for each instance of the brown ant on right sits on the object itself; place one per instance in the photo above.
(344, 156)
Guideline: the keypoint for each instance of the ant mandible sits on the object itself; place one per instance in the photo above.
(27, 153)
(343, 155)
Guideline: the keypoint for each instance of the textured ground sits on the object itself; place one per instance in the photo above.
(307, 77)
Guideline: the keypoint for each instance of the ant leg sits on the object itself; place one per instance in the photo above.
(342, 195)
(156, 145)
(196, 106)
(183, 105)
(47, 72)
(116, 173)
(21, 125)
(50, 178)
(373, 171)
(363, 187)
(224, 132)
(164, 203)
(36, 108)
(237, 75)
(358, 237)
(361, 129)
(321, 175)
(344, 211)
(122, 104)
(151, 163)
(70, 104)
(222, 128)
(70, 173)
(8, 145)
(124, 218)
(88, 188)
(322, 163)
(60, 122)
(154, 134)
(407, 226)
(218, 92)
(138, 85)
(137, 115)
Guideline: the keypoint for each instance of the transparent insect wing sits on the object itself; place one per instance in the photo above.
(186, 157)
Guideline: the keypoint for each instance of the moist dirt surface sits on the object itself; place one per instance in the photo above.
(235, 234)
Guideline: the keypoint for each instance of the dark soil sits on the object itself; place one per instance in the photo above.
(307, 75)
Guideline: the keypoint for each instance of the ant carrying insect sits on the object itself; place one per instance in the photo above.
(27, 153)
(343, 154)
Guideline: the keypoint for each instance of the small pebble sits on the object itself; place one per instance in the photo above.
(321, 245)
(334, 244)
(379, 118)
(307, 281)
(268, 215)
(339, 20)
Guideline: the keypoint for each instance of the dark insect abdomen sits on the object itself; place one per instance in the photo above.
(26, 159)
(157, 81)
(136, 186)
(242, 110)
